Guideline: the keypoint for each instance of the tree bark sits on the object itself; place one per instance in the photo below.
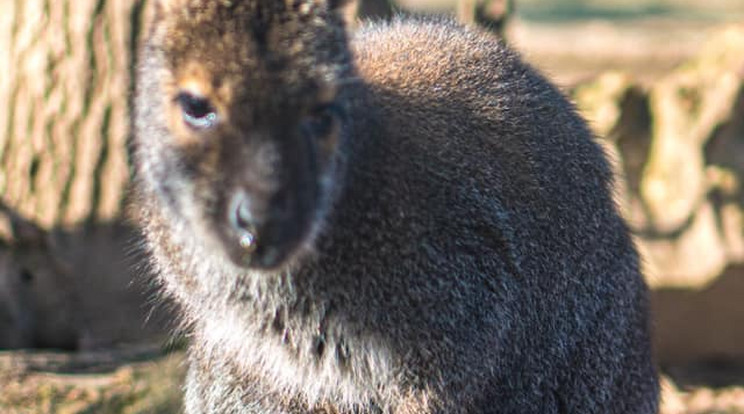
(65, 118)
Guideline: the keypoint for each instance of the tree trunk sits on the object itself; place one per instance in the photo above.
(64, 168)
(68, 71)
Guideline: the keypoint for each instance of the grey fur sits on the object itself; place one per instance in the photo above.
(469, 260)
(36, 299)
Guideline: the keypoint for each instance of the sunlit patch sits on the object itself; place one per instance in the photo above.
(248, 242)
(195, 79)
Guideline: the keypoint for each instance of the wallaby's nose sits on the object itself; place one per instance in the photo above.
(244, 222)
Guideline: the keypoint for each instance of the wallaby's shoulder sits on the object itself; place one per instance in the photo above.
(430, 51)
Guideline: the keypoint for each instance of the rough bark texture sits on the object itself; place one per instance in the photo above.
(64, 128)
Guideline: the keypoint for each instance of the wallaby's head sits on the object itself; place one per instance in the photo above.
(35, 304)
(238, 120)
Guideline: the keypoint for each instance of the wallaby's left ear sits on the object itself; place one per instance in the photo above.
(19, 231)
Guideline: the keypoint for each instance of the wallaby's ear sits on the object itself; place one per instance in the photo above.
(19, 231)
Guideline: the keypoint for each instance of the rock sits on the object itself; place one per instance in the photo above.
(671, 400)
(688, 107)
(681, 155)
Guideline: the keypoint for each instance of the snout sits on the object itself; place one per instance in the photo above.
(264, 233)
(243, 223)
(273, 198)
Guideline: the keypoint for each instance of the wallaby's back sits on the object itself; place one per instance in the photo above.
(461, 253)
(479, 179)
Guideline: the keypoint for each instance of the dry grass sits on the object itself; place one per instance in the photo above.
(115, 382)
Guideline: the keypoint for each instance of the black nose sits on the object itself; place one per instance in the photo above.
(244, 222)
(262, 236)
(243, 216)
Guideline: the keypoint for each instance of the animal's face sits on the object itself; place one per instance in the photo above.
(238, 120)
(16, 323)
(35, 305)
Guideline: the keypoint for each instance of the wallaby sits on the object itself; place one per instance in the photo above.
(404, 219)
(70, 291)
(36, 299)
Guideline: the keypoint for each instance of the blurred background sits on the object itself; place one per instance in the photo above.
(81, 327)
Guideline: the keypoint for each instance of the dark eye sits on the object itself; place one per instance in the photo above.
(321, 121)
(197, 112)
(26, 276)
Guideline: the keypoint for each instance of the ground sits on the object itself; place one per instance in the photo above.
(131, 380)
(147, 380)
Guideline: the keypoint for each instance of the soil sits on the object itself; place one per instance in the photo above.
(144, 380)
(129, 380)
